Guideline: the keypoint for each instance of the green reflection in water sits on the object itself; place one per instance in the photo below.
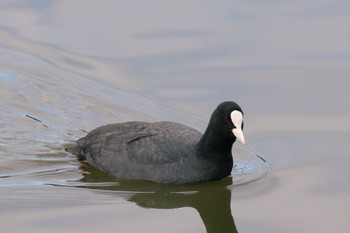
(212, 200)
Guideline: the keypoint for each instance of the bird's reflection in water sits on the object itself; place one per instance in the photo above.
(212, 200)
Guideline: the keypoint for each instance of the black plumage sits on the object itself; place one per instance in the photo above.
(165, 152)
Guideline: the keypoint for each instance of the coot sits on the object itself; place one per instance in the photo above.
(165, 152)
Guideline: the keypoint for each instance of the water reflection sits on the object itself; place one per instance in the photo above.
(211, 200)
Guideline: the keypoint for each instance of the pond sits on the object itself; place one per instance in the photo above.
(67, 67)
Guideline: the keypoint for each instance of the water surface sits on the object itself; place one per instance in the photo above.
(67, 67)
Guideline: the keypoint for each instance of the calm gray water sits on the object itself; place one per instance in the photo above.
(67, 67)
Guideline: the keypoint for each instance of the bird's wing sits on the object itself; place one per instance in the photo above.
(139, 143)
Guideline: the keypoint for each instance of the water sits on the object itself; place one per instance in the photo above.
(67, 67)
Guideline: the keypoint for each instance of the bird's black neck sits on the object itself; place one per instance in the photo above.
(212, 146)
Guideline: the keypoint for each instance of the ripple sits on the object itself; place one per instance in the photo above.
(249, 166)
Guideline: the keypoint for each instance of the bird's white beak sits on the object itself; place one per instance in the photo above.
(237, 119)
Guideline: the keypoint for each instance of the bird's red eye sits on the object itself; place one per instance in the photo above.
(227, 120)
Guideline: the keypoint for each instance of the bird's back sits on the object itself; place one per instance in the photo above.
(163, 152)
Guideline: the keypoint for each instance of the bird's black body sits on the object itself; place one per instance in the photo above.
(163, 152)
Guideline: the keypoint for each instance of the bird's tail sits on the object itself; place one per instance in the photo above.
(76, 151)
(73, 150)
